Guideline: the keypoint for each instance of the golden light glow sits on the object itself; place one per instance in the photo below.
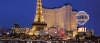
(39, 12)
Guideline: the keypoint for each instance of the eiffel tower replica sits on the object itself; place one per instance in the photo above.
(39, 22)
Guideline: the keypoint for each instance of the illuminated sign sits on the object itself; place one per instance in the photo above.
(82, 29)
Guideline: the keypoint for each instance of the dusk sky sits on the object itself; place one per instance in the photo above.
(23, 11)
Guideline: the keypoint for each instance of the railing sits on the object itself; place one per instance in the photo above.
(42, 41)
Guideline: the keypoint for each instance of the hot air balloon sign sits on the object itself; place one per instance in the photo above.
(82, 17)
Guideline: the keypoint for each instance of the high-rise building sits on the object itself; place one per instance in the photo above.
(63, 17)
(39, 23)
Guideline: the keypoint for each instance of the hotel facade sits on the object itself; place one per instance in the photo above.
(62, 17)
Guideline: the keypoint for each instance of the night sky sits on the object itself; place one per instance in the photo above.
(22, 11)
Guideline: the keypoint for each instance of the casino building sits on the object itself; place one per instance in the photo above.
(62, 17)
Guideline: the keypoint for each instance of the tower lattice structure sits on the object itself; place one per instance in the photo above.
(39, 22)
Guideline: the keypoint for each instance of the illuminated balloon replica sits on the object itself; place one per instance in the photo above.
(82, 17)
